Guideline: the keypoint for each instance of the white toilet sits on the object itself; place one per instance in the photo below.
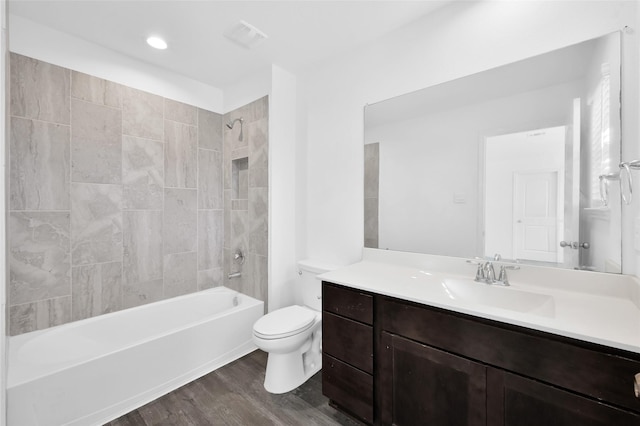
(292, 336)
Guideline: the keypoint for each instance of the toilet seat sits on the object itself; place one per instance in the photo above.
(284, 322)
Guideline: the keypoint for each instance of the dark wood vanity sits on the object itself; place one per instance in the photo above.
(389, 361)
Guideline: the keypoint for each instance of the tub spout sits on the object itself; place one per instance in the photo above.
(235, 275)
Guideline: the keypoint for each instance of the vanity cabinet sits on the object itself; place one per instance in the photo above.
(440, 367)
(435, 366)
(347, 350)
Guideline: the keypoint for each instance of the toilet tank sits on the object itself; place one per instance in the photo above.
(310, 287)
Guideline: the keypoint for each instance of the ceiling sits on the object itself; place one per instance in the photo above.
(300, 33)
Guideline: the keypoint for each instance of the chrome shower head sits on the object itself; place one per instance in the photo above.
(232, 123)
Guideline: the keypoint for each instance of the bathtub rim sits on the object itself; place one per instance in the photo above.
(12, 349)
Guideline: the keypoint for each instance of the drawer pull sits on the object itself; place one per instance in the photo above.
(636, 385)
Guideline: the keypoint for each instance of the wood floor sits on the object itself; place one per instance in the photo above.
(234, 395)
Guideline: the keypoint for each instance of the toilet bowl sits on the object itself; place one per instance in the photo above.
(292, 336)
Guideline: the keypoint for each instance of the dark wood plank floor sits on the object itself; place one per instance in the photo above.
(234, 395)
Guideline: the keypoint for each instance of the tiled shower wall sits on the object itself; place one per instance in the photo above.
(116, 197)
(371, 193)
(246, 198)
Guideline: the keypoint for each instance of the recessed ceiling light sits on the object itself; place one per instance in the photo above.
(157, 42)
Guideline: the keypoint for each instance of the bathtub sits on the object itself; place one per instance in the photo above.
(92, 371)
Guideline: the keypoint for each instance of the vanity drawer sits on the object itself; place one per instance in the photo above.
(596, 371)
(348, 387)
(347, 303)
(348, 340)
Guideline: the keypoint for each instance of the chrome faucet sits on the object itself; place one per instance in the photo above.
(486, 272)
(489, 273)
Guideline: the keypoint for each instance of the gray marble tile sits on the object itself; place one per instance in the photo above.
(210, 228)
(253, 281)
(181, 155)
(240, 204)
(240, 153)
(232, 136)
(371, 170)
(239, 230)
(181, 112)
(39, 315)
(258, 220)
(141, 293)
(227, 218)
(97, 90)
(142, 232)
(252, 111)
(371, 222)
(227, 268)
(180, 220)
(142, 114)
(96, 289)
(39, 262)
(142, 173)
(258, 144)
(209, 130)
(210, 278)
(259, 177)
(258, 269)
(209, 179)
(96, 223)
(39, 165)
(39, 90)
(227, 169)
(180, 274)
(96, 143)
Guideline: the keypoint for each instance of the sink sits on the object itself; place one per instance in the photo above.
(509, 298)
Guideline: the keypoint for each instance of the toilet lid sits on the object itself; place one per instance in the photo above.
(284, 322)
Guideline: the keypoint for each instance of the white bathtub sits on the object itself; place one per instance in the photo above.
(92, 371)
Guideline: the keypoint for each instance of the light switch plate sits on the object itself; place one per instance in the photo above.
(459, 198)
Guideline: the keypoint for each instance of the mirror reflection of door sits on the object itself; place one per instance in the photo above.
(535, 216)
(524, 180)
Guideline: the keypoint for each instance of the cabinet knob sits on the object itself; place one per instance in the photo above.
(636, 385)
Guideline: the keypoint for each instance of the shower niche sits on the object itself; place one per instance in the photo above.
(240, 183)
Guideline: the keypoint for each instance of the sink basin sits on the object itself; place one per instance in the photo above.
(512, 299)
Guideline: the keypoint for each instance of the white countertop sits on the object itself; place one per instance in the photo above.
(594, 307)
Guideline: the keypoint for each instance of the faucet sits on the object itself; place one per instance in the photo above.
(489, 273)
(486, 272)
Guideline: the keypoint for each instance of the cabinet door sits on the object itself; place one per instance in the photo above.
(517, 401)
(423, 385)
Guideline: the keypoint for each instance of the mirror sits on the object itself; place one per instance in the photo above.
(520, 161)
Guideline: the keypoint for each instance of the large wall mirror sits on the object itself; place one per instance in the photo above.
(520, 161)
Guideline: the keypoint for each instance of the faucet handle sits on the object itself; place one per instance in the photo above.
(480, 271)
(489, 273)
(480, 275)
(502, 277)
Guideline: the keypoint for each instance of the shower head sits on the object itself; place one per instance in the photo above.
(233, 122)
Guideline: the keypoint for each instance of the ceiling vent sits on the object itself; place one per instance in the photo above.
(245, 35)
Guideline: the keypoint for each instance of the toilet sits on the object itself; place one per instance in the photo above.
(292, 336)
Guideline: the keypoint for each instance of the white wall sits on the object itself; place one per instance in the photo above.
(282, 189)
(40, 42)
(458, 40)
(247, 91)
